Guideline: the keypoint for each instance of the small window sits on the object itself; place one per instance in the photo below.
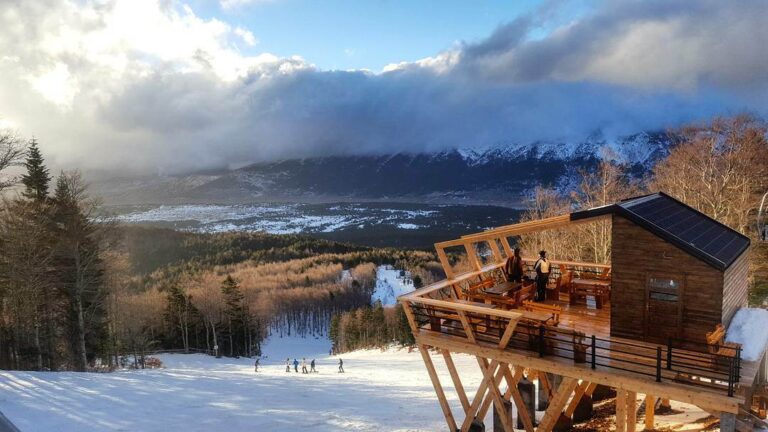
(655, 295)
(663, 284)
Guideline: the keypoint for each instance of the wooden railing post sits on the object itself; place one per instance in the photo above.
(669, 354)
(594, 354)
(658, 364)
(541, 341)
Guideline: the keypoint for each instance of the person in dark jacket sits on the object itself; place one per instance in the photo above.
(296, 365)
(514, 267)
(312, 366)
(256, 365)
(341, 366)
(542, 276)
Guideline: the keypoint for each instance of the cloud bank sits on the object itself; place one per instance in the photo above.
(135, 85)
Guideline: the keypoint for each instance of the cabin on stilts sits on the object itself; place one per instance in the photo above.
(653, 321)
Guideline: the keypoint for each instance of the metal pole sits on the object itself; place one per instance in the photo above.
(669, 354)
(658, 364)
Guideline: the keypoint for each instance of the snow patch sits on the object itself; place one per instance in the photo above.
(749, 327)
(390, 284)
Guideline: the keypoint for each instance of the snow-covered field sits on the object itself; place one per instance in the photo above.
(390, 284)
(380, 391)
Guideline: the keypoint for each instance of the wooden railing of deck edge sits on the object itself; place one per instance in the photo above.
(461, 277)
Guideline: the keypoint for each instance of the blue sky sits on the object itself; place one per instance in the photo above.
(369, 34)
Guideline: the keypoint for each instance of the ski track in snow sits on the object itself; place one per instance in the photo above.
(380, 391)
(390, 284)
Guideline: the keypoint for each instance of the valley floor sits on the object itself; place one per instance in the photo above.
(380, 391)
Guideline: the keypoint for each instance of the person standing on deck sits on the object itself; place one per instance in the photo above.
(288, 364)
(341, 366)
(542, 276)
(514, 267)
(312, 366)
(296, 365)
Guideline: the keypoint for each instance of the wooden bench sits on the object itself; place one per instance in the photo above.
(717, 345)
(553, 310)
(474, 292)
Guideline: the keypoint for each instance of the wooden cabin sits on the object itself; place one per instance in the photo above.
(677, 273)
(652, 321)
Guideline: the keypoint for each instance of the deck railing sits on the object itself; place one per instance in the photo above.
(678, 361)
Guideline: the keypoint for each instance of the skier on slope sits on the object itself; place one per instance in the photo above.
(312, 366)
(296, 365)
(341, 366)
(304, 365)
(256, 365)
(288, 365)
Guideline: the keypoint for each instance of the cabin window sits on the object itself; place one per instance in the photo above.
(663, 283)
(663, 289)
(655, 295)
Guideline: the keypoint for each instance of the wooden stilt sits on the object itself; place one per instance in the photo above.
(478, 400)
(493, 389)
(456, 380)
(557, 404)
(631, 411)
(522, 411)
(577, 394)
(488, 397)
(650, 410)
(621, 410)
(438, 388)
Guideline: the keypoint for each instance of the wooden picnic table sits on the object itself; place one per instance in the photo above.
(598, 288)
(503, 288)
(539, 317)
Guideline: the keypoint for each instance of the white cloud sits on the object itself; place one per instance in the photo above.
(137, 84)
(232, 4)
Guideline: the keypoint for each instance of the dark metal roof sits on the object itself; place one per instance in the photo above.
(687, 228)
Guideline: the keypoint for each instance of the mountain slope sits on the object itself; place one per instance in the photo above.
(495, 175)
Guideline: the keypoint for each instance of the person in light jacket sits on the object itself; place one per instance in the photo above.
(542, 276)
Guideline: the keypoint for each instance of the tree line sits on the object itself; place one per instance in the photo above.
(370, 327)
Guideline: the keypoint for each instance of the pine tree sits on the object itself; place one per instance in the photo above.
(235, 312)
(37, 178)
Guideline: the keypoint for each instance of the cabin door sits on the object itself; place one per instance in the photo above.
(663, 308)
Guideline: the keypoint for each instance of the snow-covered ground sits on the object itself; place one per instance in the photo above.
(390, 284)
(380, 391)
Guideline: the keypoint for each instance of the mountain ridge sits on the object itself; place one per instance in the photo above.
(498, 174)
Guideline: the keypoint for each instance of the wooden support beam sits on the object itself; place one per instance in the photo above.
(621, 410)
(438, 388)
(456, 380)
(472, 255)
(467, 326)
(505, 245)
(410, 317)
(631, 411)
(495, 250)
(650, 411)
(444, 262)
(577, 395)
(488, 400)
(478, 400)
(504, 340)
(522, 410)
(544, 385)
(613, 378)
(556, 405)
(493, 388)
(590, 389)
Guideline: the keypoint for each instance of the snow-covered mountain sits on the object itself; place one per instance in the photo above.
(497, 174)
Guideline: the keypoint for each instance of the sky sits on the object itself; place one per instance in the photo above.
(140, 86)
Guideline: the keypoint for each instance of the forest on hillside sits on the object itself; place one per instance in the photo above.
(78, 290)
